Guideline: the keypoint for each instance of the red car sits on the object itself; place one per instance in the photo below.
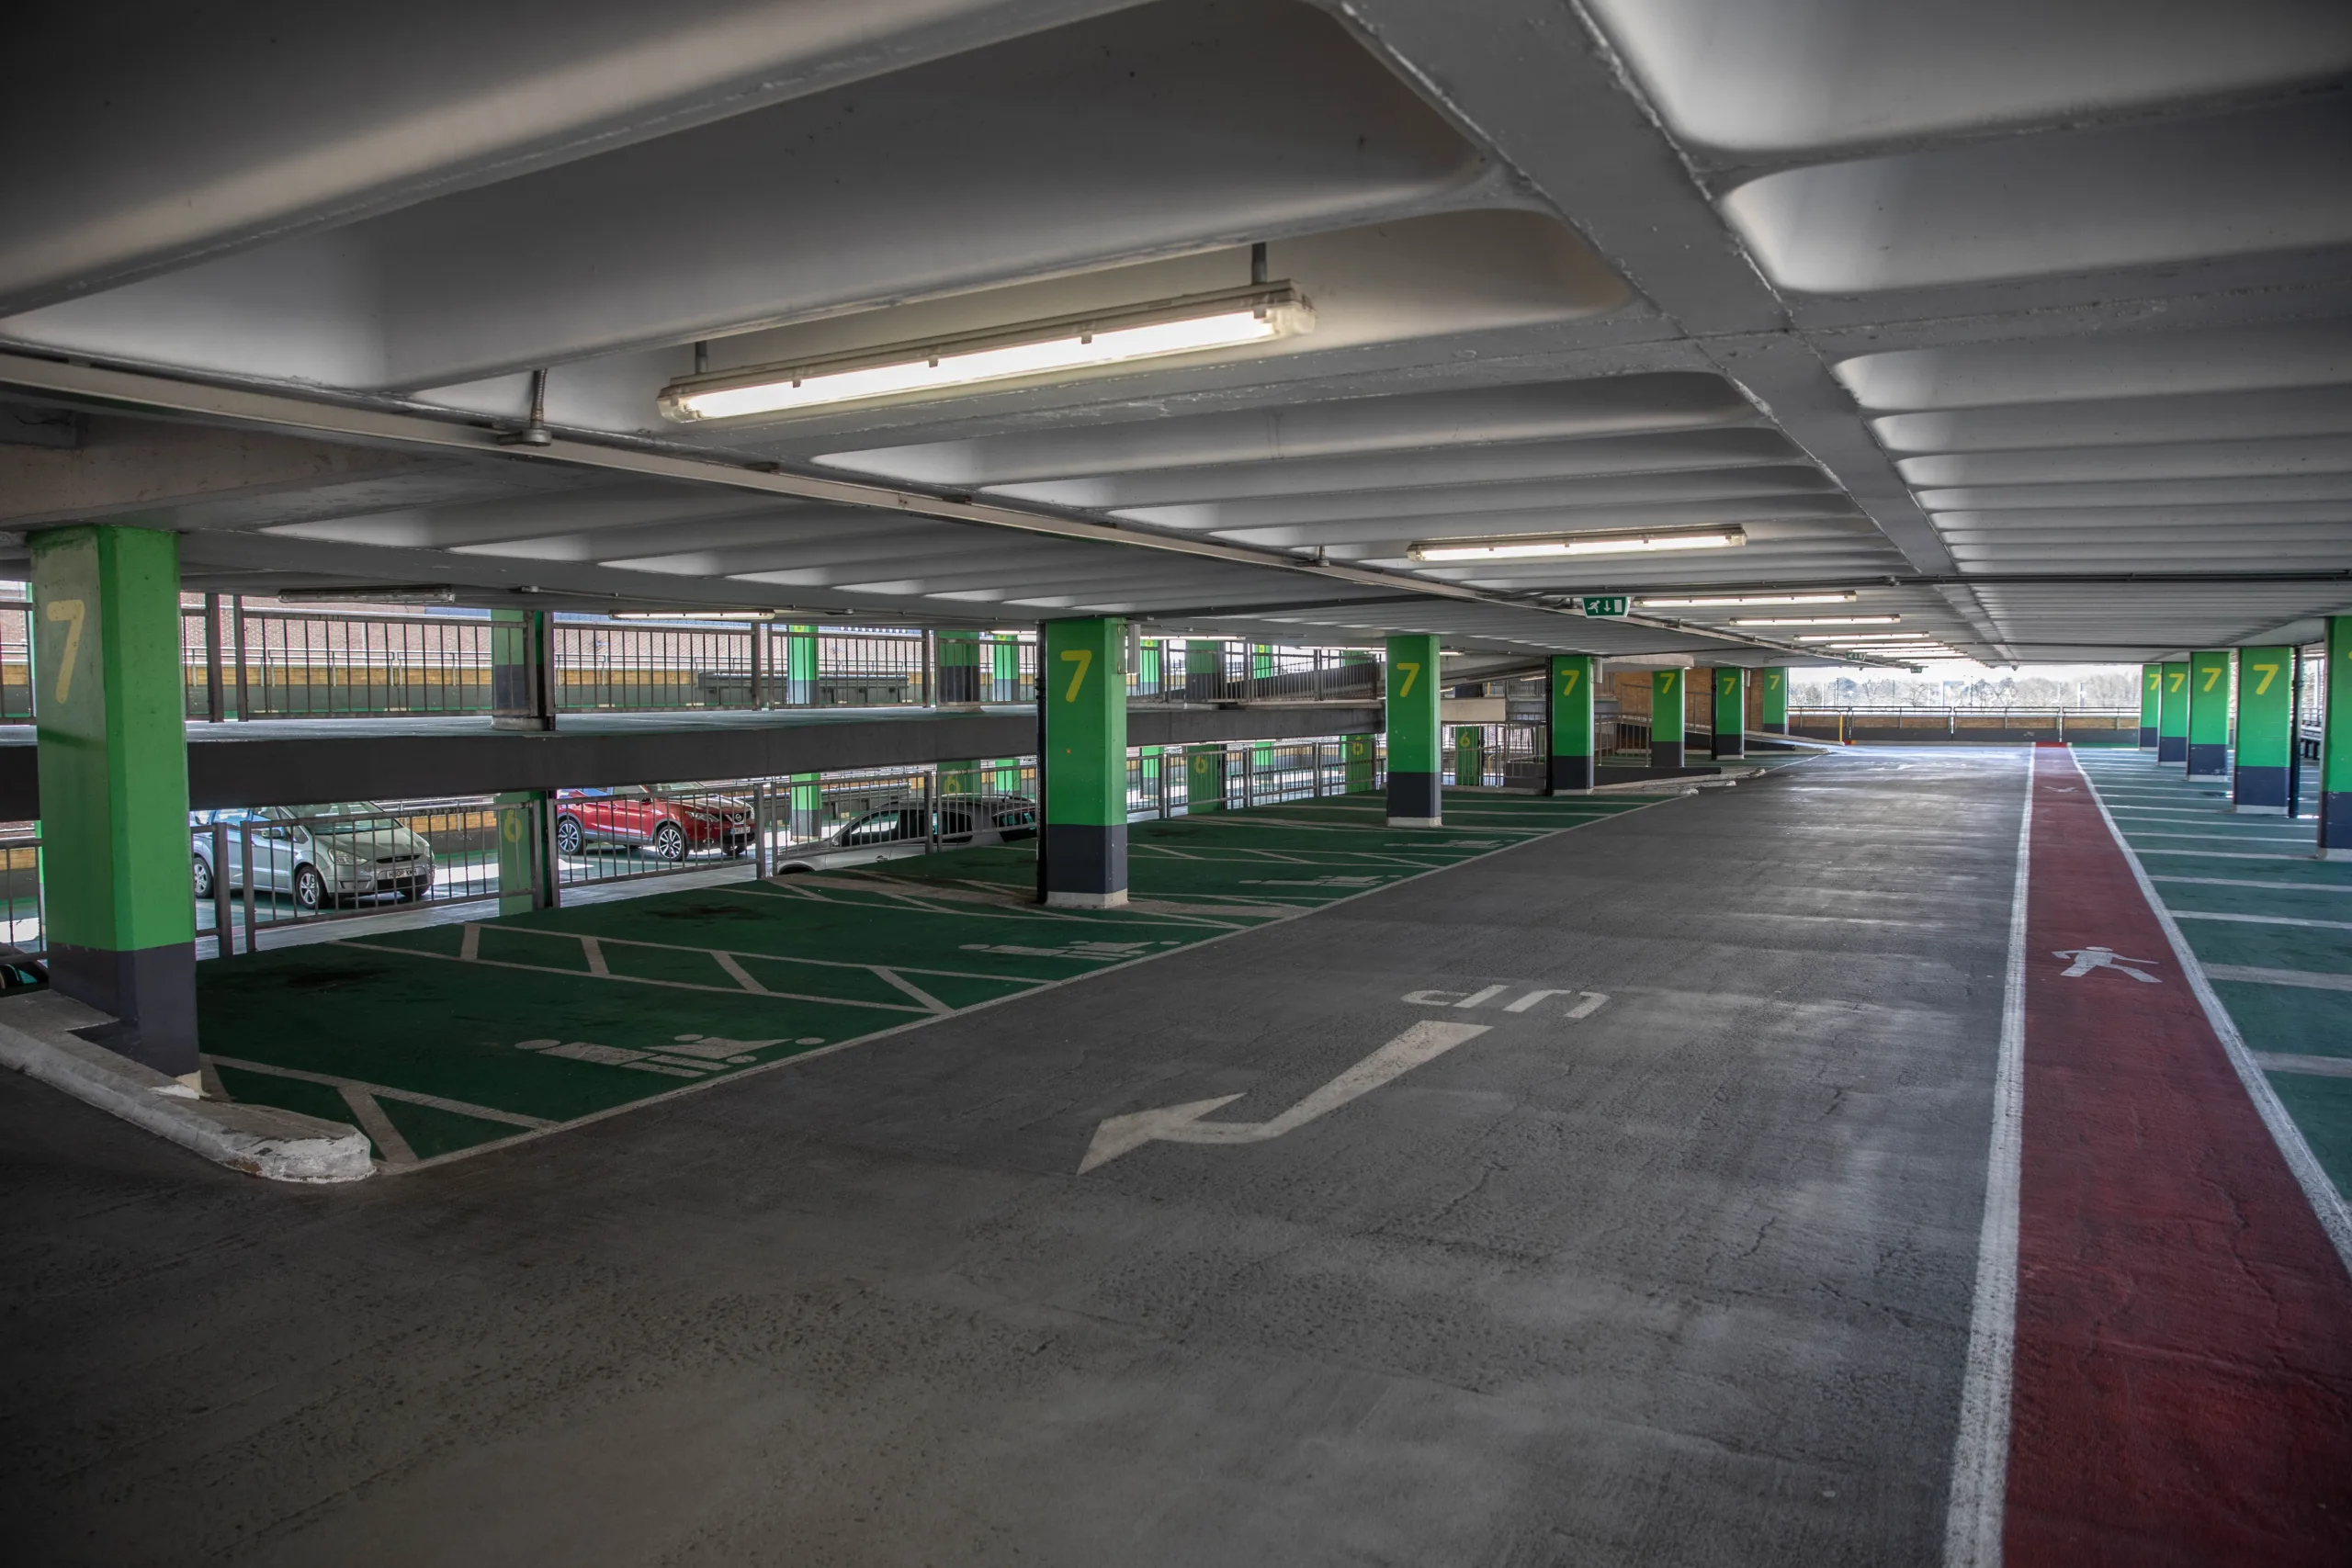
(635, 814)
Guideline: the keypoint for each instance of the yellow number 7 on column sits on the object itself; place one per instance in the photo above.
(1406, 690)
(2269, 672)
(72, 612)
(1085, 659)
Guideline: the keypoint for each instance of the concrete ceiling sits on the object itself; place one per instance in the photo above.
(2027, 321)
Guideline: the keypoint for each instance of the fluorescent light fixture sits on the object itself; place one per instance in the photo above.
(694, 614)
(1537, 547)
(1817, 621)
(1866, 637)
(1736, 599)
(1193, 325)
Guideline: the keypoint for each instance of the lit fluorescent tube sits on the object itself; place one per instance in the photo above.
(1819, 621)
(1739, 599)
(1864, 637)
(1228, 319)
(1536, 547)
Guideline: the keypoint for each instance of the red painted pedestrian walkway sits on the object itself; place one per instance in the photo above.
(2183, 1375)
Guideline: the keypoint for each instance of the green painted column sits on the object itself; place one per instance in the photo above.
(1203, 779)
(2151, 704)
(807, 805)
(1082, 853)
(2335, 743)
(799, 666)
(962, 777)
(959, 668)
(2209, 714)
(1203, 671)
(113, 767)
(1414, 799)
(1571, 676)
(1730, 741)
(2265, 730)
(1775, 717)
(521, 670)
(1360, 759)
(1470, 755)
(1004, 671)
(520, 876)
(2172, 715)
(1666, 718)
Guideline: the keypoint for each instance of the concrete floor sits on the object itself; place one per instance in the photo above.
(1684, 1281)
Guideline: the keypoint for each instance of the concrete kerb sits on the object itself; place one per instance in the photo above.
(37, 1039)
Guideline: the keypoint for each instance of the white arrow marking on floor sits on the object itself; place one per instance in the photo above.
(1183, 1124)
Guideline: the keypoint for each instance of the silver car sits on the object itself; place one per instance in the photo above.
(896, 831)
(320, 855)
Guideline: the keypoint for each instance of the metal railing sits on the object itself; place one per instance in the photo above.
(1176, 781)
(1988, 725)
(1210, 670)
(21, 902)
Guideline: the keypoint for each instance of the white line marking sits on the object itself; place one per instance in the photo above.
(738, 974)
(2319, 1187)
(469, 950)
(632, 979)
(2240, 838)
(2260, 920)
(2311, 1067)
(596, 957)
(1593, 1002)
(1183, 1124)
(2214, 854)
(930, 1002)
(382, 1092)
(1980, 1458)
(2306, 978)
(390, 1145)
(1530, 1000)
(1476, 999)
(2241, 882)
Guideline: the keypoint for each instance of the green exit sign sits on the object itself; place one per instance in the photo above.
(1604, 603)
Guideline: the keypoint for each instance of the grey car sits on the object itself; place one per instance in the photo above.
(896, 831)
(320, 855)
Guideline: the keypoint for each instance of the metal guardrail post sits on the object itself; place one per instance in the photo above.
(215, 700)
(224, 936)
(237, 627)
(245, 849)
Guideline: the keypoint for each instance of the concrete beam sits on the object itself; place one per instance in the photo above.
(133, 466)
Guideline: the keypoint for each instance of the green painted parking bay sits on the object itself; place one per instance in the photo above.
(450, 1039)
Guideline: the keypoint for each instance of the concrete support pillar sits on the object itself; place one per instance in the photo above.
(1204, 780)
(959, 669)
(109, 720)
(799, 666)
(2265, 730)
(2172, 715)
(1571, 677)
(807, 805)
(2209, 714)
(1203, 671)
(2152, 703)
(1358, 754)
(1667, 727)
(1775, 717)
(1083, 852)
(1470, 755)
(521, 670)
(2335, 743)
(1731, 715)
(528, 870)
(1414, 799)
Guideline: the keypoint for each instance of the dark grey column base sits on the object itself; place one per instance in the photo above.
(2260, 789)
(1086, 866)
(2207, 760)
(1776, 726)
(1571, 773)
(151, 990)
(959, 684)
(2172, 748)
(2147, 737)
(1414, 797)
(2335, 825)
(1727, 746)
(1666, 753)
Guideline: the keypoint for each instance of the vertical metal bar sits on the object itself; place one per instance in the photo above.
(760, 800)
(2294, 731)
(246, 854)
(237, 617)
(224, 937)
(759, 664)
(215, 700)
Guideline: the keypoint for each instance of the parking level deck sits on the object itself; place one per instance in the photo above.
(453, 1038)
(1614, 1196)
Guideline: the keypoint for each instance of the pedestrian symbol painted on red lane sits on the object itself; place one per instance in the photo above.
(2087, 959)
